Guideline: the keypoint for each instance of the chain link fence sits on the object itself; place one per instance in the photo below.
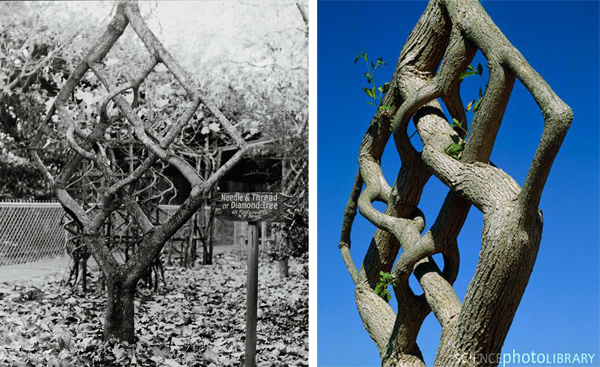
(32, 239)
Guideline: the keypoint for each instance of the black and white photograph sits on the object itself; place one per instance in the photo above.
(154, 183)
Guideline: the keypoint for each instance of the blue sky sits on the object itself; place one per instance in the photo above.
(559, 312)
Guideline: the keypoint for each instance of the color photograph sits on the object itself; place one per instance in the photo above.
(442, 127)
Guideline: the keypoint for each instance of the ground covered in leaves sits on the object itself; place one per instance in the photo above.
(197, 318)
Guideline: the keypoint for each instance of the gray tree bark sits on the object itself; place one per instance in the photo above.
(88, 145)
(447, 36)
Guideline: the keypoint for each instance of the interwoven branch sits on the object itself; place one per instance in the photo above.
(88, 145)
(447, 36)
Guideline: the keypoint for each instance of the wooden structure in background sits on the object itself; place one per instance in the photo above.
(161, 192)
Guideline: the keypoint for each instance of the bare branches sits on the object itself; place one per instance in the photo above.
(377, 315)
(118, 187)
(303, 12)
(456, 29)
(557, 115)
(349, 215)
(489, 117)
(484, 186)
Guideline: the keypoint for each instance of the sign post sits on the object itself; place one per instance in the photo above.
(252, 207)
(252, 295)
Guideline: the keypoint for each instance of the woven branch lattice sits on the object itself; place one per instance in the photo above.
(87, 146)
(447, 36)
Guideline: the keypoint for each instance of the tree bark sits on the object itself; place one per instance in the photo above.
(87, 145)
(438, 50)
(119, 318)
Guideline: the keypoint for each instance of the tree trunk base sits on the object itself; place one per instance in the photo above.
(119, 322)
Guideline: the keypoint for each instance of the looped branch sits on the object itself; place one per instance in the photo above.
(118, 187)
(446, 39)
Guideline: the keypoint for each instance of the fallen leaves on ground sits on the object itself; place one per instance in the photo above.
(196, 319)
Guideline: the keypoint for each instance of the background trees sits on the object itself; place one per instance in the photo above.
(38, 45)
(336, 70)
(257, 66)
(259, 71)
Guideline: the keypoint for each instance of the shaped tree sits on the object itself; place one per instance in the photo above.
(87, 141)
(437, 52)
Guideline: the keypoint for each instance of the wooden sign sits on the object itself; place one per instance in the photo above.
(253, 206)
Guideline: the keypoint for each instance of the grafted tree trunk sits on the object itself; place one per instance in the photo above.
(87, 144)
(119, 319)
(438, 50)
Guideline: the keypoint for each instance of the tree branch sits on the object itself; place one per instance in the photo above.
(348, 221)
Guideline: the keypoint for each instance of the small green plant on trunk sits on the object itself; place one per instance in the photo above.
(381, 289)
(455, 150)
(375, 91)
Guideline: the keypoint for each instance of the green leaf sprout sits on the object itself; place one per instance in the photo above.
(375, 92)
(381, 289)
